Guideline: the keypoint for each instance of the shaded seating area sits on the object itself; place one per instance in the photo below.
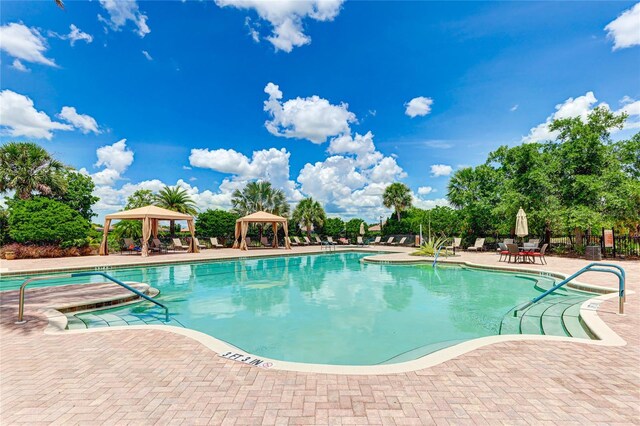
(150, 216)
(242, 226)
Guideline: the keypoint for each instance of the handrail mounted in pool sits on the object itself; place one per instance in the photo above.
(21, 319)
(592, 267)
(435, 258)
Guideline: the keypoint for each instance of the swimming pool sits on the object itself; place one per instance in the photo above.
(329, 308)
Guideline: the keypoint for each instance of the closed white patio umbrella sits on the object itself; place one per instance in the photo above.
(522, 228)
(361, 228)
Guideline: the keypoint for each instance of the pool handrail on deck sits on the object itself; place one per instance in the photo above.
(592, 267)
(21, 319)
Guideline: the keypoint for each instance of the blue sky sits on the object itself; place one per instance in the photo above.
(362, 93)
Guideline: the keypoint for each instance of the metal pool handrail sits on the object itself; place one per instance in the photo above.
(82, 274)
(435, 258)
(592, 267)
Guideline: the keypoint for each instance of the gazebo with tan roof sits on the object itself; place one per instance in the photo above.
(149, 215)
(242, 226)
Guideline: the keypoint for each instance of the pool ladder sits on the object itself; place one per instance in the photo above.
(21, 319)
(592, 267)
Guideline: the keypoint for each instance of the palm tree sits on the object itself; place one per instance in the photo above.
(309, 212)
(26, 168)
(398, 196)
(259, 196)
(176, 199)
(461, 187)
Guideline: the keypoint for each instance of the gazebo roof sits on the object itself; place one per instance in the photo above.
(262, 217)
(153, 212)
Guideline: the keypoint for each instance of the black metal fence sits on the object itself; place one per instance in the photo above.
(623, 245)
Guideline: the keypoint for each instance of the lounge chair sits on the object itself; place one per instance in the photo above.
(400, 243)
(300, 243)
(214, 243)
(177, 244)
(157, 246)
(377, 240)
(200, 246)
(129, 246)
(318, 240)
(540, 254)
(264, 241)
(291, 243)
(330, 241)
(343, 241)
(456, 244)
(308, 242)
(508, 241)
(247, 241)
(477, 246)
(531, 244)
(388, 242)
(360, 241)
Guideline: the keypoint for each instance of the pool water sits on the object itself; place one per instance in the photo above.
(329, 308)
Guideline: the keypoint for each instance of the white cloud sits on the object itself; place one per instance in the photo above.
(514, 108)
(83, 122)
(286, 18)
(18, 117)
(253, 29)
(121, 11)
(147, 55)
(19, 66)
(581, 107)
(75, 34)
(625, 29)
(424, 190)
(360, 145)
(269, 164)
(441, 170)
(24, 43)
(311, 118)
(115, 157)
(419, 106)
(429, 204)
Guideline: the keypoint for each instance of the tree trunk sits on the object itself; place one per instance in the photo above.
(398, 213)
(172, 229)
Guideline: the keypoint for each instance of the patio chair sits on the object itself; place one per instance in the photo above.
(264, 241)
(214, 243)
(478, 245)
(177, 244)
(540, 254)
(201, 246)
(400, 243)
(156, 246)
(377, 240)
(360, 241)
(531, 244)
(456, 244)
(344, 241)
(514, 252)
(247, 241)
(508, 241)
(503, 250)
(300, 243)
(308, 242)
(330, 241)
(129, 246)
(388, 242)
(291, 243)
(318, 240)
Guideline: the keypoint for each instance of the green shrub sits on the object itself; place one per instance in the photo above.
(42, 220)
(216, 223)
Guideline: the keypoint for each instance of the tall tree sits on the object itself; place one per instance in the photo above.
(398, 196)
(27, 168)
(176, 199)
(79, 195)
(140, 198)
(308, 213)
(259, 196)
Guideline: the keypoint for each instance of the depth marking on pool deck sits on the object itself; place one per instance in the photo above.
(246, 359)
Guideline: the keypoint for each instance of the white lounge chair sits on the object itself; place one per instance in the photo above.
(201, 246)
(308, 241)
(300, 243)
(455, 245)
(177, 244)
(318, 240)
(477, 246)
(360, 241)
(214, 243)
(388, 242)
(401, 242)
(291, 243)
(330, 240)
(377, 240)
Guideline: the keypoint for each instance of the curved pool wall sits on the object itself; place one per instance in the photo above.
(329, 308)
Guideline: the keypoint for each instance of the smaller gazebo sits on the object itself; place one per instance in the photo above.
(242, 226)
(149, 215)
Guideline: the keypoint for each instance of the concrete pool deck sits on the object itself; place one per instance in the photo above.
(152, 376)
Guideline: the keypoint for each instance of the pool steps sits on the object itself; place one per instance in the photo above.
(557, 316)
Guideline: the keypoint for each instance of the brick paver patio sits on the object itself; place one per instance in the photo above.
(158, 377)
